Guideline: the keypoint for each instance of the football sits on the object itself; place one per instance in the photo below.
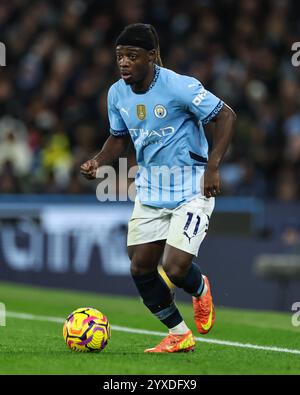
(86, 329)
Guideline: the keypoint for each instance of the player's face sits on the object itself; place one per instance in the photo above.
(133, 63)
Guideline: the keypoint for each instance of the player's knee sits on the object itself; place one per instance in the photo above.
(135, 269)
(139, 265)
(175, 273)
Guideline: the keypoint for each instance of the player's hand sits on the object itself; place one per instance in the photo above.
(89, 169)
(212, 183)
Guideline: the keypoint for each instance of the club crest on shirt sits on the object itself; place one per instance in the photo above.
(141, 111)
(160, 111)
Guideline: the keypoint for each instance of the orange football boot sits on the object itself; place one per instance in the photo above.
(204, 312)
(175, 343)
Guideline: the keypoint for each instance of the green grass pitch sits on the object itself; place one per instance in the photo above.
(37, 347)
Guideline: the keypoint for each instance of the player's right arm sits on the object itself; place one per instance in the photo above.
(116, 144)
(113, 149)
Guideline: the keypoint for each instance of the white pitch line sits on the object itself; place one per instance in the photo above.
(59, 320)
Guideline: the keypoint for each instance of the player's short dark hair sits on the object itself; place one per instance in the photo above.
(141, 35)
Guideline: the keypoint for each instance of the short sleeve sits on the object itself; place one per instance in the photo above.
(116, 122)
(200, 102)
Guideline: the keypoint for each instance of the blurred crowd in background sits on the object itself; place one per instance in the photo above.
(61, 62)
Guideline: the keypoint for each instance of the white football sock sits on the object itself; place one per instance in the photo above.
(179, 329)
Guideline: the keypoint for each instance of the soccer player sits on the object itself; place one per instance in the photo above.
(164, 114)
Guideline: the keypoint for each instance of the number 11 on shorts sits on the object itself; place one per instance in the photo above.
(189, 220)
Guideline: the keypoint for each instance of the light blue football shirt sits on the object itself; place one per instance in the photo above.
(166, 126)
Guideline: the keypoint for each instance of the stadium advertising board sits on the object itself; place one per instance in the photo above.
(72, 246)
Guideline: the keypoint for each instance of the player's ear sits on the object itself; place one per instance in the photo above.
(152, 55)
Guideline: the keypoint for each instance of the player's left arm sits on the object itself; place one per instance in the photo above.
(207, 107)
(222, 136)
